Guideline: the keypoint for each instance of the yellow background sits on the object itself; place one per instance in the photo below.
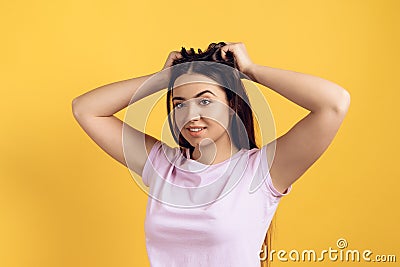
(65, 202)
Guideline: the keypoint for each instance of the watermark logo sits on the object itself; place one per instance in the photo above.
(331, 254)
(341, 243)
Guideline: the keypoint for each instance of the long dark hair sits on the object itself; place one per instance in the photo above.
(229, 79)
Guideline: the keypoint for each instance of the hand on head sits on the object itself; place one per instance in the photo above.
(234, 54)
(240, 55)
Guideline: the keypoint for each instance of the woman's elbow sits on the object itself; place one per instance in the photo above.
(75, 107)
(343, 102)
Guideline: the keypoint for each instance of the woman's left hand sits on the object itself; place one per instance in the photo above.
(240, 55)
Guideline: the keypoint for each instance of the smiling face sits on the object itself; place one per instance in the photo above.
(201, 110)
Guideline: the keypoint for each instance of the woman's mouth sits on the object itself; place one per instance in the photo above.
(196, 131)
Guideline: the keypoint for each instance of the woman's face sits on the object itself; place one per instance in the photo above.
(201, 110)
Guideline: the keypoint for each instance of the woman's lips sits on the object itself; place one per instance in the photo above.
(196, 131)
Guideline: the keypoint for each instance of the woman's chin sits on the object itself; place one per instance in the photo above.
(202, 142)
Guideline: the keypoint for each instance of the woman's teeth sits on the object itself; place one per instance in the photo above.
(195, 129)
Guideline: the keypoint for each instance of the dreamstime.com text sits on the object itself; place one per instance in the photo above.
(340, 254)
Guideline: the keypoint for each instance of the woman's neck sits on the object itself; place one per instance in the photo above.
(212, 153)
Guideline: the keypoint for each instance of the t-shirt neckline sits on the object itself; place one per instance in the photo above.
(237, 154)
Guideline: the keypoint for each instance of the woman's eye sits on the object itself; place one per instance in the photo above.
(205, 101)
(179, 105)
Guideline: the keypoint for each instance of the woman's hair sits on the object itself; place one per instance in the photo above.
(229, 79)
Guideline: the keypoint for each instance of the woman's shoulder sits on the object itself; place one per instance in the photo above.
(161, 150)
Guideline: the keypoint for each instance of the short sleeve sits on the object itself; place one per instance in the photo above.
(265, 172)
(148, 167)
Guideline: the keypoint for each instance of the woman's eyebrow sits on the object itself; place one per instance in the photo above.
(197, 95)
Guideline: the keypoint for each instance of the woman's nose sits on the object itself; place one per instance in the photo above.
(193, 113)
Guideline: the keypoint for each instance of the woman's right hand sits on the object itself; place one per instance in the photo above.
(171, 57)
(168, 63)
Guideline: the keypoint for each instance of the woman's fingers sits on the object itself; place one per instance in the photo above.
(239, 53)
(223, 54)
(171, 57)
(224, 50)
(177, 54)
(227, 48)
(230, 46)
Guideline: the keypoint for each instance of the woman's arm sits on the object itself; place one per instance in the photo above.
(94, 111)
(310, 92)
(306, 141)
(108, 99)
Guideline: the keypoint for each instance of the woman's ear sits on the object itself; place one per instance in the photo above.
(232, 105)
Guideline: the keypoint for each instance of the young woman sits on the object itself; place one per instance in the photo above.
(206, 214)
